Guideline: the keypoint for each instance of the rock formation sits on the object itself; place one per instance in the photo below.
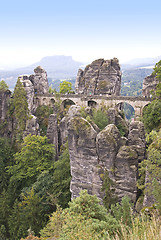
(53, 132)
(35, 84)
(39, 80)
(4, 98)
(6, 124)
(91, 153)
(29, 88)
(149, 84)
(99, 77)
(32, 126)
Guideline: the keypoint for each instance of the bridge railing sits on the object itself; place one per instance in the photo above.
(104, 97)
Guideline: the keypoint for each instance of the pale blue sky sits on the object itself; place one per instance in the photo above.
(86, 30)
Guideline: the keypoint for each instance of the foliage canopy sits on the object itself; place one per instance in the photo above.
(35, 156)
(3, 86)
(65, 87)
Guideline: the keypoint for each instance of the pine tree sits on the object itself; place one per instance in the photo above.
(21, 110)
(3, 86)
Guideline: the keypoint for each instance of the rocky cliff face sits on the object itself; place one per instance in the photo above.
(35, 84)
(100, 77)
(39, 80)
(4, 98)
(91, 153)
(5, 123)
(30, 91)
(53, 132)
(149, 84)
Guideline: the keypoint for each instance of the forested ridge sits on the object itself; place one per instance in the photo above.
(35, 186)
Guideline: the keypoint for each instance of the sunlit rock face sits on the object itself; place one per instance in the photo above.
(100, 77)
(29, 88)
(40, 81)
(149, 84)
(93, 152)
(35, 84)
(32, 126)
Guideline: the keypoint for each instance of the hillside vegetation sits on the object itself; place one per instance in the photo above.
(35, 188)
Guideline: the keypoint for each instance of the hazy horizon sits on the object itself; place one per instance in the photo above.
(85, 30)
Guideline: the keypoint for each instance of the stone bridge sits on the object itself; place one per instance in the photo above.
(138, 103)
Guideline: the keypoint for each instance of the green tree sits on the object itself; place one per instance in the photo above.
(62, 178)
(27, 214)
(3, 86)
(51, 89)
(5, 211)
(123, 211)
(65, 87)
(153, 165)
(21, 110)
(42, 113)
(35, 156)
(6, 159)
(54, 226)
(108, 189)
(157, 73)
(84, 219)
(152, 112)
(100, 118)
(152, 115)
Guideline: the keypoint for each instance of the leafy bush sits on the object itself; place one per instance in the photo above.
(42, 113)
(100, 118)
(152, 116)
(123, 211)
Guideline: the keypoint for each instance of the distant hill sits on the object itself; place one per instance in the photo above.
(64, 67)
(133, 74)
(140, 62)
(57, 67)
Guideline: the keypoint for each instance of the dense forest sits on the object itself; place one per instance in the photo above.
(132, 81)
(35, 198)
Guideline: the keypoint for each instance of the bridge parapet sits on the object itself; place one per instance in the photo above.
(125, 98)
(138, 103)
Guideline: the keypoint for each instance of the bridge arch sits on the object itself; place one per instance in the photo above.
(127, 109)
(92, 103)
(67, 103)
(52, 101)
(44, 101)
(145, 107)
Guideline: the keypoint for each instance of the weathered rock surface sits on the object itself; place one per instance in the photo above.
(100, 77)
(4, 98)
(127, 159)
(6, 123)
(40, 81)
(149, 199)
(91, 153)
(126, 173)
(35, 84)
(149, 84)
(74, 111)
(29, 88)
(53, 132)
(32, 126)
(136, 139)
(83, 156)
(107, 146)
